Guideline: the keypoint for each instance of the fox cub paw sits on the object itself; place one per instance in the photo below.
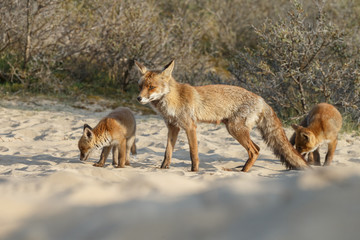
(98, 165)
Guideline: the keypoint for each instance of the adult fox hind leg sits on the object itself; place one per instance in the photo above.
(242, 134)
(330, 153)
(104, 154)
(173, 132)
(253, 151)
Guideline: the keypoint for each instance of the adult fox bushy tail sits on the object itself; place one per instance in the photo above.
(182, 106)
(321, 125)
(272, 132)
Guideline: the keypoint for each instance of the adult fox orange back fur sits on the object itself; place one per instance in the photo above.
(322, 124)
(182, 106)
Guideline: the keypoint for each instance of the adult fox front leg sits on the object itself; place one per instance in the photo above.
(173, 132)
(193, 145)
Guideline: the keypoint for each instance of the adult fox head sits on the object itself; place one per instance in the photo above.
(86, 143)
(305, 140)
(154, 84)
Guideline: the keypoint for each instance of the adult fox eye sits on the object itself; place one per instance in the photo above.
(151, 87)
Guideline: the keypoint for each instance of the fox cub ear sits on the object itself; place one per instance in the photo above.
(87, 131)
(295, 127)
(87, 126)
(141, 67)
(168, 68)
(305, 137)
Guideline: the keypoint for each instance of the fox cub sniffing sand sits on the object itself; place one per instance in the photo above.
(117, 132)
(321, 125)
(182, 106)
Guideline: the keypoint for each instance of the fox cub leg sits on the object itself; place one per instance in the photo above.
(173, 132)
(314, 158)
(330, 153)
(115, 155)
(130, 147)
(242, 134)
(104, 154)
(133, 148)
(122, 153)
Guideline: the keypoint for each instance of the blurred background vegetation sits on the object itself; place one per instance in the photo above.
(292, 53)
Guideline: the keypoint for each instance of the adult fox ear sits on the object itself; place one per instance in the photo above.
(168, 69)
(87, 131)
(141, 67)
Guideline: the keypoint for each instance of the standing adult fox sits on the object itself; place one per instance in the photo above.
(182, 106)
(322, 124)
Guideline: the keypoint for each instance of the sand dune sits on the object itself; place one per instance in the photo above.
(47, 193)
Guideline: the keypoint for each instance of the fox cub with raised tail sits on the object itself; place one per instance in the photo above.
(182, 106)
(321, 125)
(115, 132)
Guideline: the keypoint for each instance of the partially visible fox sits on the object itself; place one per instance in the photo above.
(321, 125)
(117, 132)
(182, 106)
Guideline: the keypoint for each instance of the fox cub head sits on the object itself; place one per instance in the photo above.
(154, 84)
(305, 140)
(86, 143)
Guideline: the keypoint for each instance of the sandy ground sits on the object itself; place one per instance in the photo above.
(47, 193)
